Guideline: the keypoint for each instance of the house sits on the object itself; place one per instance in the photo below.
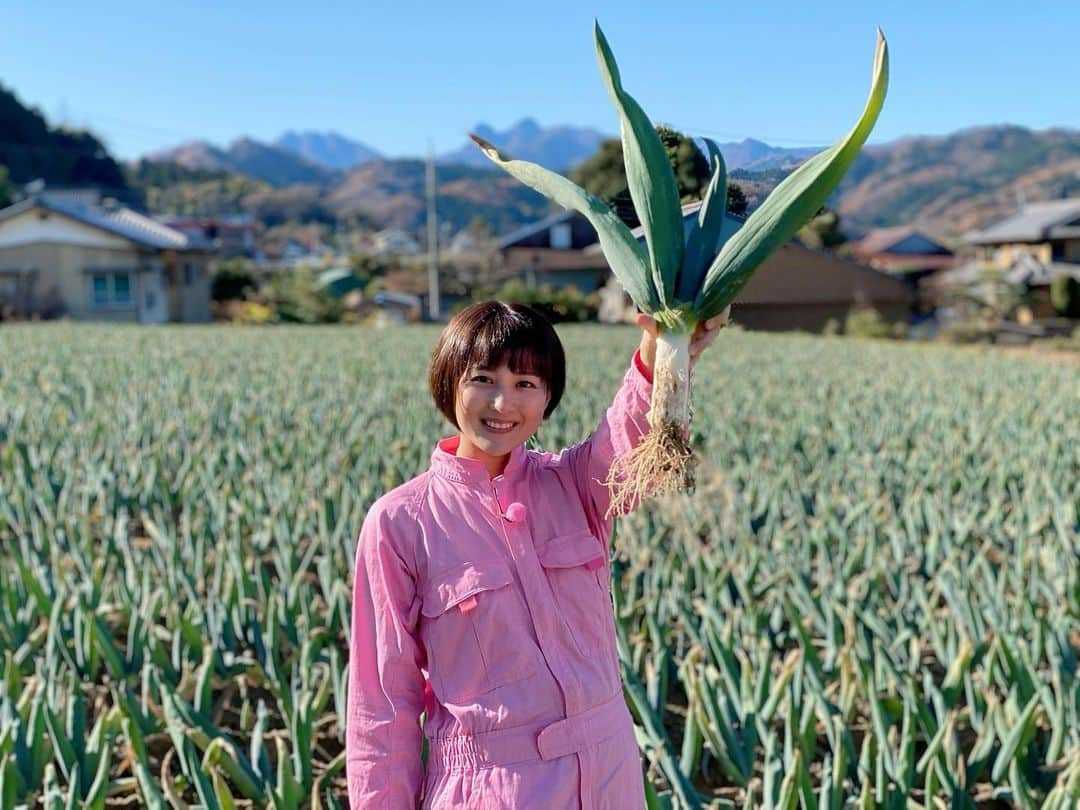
(68, 255)
(339, 282)
(465, 243)
(1029, 249)
(231, 236)
(1047, 231)
(801, 288)
(552, 251)
(394, 242)
(909, 254)
(397, 308)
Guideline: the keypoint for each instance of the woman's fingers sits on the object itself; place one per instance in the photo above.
(647, 322)
(704, 334)
(707, 331)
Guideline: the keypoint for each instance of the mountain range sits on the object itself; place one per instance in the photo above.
(944, 185)
(276, 165)
(297, 156)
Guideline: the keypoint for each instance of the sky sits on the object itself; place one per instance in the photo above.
(405, 76)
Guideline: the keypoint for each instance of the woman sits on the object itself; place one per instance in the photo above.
(482, 591)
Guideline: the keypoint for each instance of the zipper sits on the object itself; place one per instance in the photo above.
(495, 495)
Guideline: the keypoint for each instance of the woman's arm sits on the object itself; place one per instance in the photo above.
(625, 421)
(386, 687)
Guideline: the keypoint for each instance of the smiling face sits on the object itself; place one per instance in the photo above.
(497, 372)
(497, 409)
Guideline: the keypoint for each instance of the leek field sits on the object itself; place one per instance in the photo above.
(872, 599)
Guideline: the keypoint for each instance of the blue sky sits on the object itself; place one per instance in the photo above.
(145, 77)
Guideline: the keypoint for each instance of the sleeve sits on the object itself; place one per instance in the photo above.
(386, 686)
(623, 425)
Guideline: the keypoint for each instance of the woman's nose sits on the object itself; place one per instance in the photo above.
(500, 398)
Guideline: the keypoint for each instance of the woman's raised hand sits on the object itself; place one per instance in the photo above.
(703, 336)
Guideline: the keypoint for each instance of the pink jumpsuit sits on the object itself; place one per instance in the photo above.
(487, 602)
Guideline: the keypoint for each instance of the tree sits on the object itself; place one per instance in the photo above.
(822, 231)
(31, 149)
(1065, 296)
(604, 174)
(5, 188)
(736, 200)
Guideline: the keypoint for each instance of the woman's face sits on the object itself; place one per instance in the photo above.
(496, 411)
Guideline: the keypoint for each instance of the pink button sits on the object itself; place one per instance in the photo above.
(592, 565)
(516, 512)
(466, 605)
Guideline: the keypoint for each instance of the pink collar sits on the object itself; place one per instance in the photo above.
(446, 462)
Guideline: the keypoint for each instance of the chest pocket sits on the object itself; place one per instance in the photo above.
(577, 570)
(476, 631)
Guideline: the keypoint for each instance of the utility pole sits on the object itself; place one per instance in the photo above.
(433, 239)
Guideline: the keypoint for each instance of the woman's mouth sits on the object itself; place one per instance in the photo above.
(498, 426)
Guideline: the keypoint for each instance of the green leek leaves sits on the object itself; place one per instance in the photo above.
(697, 277)
(791, 204)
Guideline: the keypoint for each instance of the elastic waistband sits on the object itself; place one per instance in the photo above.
(512, 745)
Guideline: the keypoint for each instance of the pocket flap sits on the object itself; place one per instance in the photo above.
(456, 586)
(572, 550)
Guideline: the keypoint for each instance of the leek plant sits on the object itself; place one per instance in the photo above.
(684, 279)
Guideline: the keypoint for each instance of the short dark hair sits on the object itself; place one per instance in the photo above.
(487, 335)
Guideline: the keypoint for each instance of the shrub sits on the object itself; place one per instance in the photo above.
(1065, 296)
(866, 322)
(254, 312)
(297, 298)
(232, 282)
(557, 305)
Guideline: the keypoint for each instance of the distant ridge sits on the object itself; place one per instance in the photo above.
(327, 149)
(757, 156)
(277, 166)
(559, 148)
(947, 185)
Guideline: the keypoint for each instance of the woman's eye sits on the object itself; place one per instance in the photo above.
(526, 384)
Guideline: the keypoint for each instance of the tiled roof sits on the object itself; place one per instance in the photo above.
(1032, 223)
(123, 222)
(535, 227)
(880, 240)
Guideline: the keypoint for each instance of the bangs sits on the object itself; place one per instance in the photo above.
(521, 355)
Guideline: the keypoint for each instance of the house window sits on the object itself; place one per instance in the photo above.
(110, 289)
(101, 290)
(121, 288)
(560, 236)
(188, 274)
